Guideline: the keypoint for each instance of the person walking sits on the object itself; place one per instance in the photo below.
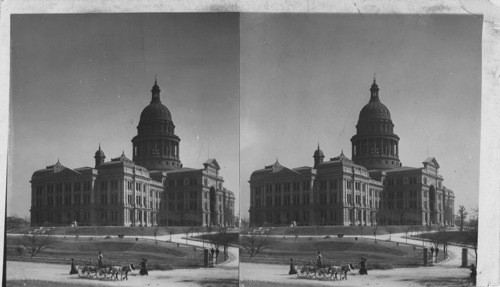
(216, 255)
(292, 268)
(437, 251)
(73, 269)
(319, 259)
(212, 251)
(362, 268)
(144, 267)
(100, 258)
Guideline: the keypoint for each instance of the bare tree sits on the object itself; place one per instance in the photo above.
(35, 243)
(408, 229)
(157, 228)
(224, 238)
(187, 230)
(472, 231)
(171, 230)
(390, 230)
(256, 242)
(375, 232)
(462, 216)
(361, 229)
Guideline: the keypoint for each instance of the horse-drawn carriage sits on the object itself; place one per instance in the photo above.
(329, 271)
(90, 270)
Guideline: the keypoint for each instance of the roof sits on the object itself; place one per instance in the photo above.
(212, 162)
(54, 170)
(431, 161)
(180, 170)
(403, 168)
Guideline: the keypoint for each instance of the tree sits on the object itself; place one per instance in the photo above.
(408, 229)
(225, 238)
(256, 242)
(375, 232)
(157, 228)
(171, 230)
(142, 231)
(35, 243)
(462, 216)
(473, 231)
(361, 228)
(390, 230)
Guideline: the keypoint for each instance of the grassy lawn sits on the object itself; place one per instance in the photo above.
(134, 231)
(346, 230)
(162, 256)
(458, 237)
(380, 255)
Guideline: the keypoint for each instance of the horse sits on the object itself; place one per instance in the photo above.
(122, 270)
(342, 270)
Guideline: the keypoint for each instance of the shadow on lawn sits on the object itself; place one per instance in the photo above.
(443, 282)
(208, 282)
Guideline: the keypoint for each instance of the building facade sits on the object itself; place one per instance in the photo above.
(371, 189)
(153, 188)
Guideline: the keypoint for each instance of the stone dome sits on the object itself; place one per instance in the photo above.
(156, 111)
(318, 152)
(374, 109)
(99, 152)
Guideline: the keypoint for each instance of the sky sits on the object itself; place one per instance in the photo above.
(244, 89)
(305, 78)
(80, 80)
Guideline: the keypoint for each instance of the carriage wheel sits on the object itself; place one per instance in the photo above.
(89, 272)
(100, 274)
(302, 271)
(81, 271)
(311, 271)
(320, 273)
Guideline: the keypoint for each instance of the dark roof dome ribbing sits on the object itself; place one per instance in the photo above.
(99, 152)
(374, 109)
(319, 152)
(156, 111)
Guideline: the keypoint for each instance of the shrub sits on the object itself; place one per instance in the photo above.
(356, 238)
(107, 237)
(327, 237)
(121, 235)
(310, 238)
(340, 235)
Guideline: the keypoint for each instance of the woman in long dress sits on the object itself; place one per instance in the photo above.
(362, 269)
(292, 268)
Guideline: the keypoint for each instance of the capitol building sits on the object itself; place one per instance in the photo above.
(153, 188)
(372, 188)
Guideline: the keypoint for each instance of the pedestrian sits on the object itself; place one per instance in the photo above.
(437, 251)
(473, 273)
(432, 250)
(144, 267)
(319, 258)
(292, 268)
(73, 269)
(212, 250)
(100, 257)
(216, 255)
(362, 268)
